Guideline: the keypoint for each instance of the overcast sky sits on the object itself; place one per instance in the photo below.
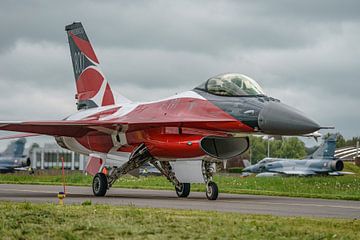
(305, 53)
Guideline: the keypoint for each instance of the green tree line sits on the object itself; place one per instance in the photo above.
(290, 147)
(342, 142)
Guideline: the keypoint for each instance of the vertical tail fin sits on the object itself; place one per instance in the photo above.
(15, 148)
(327, 149)
(20, 146)
(92, 87)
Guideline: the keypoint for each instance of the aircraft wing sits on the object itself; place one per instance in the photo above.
(79, 128)
(52, 128)
(22, 135)
(298, 172)
(279, 172)
(267, 174)
(5, 169)
(340, 173)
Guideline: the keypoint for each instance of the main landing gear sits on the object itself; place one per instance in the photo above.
(182, 189)
(101, 182)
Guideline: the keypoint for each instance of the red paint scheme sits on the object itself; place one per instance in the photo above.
(94, 165)
(127, 149)
(56, 128)
(89, 83)
(96, 141)
(108, 98)
(165, 127)
(85, 47)
(185, 112)
(164, 145)
(174, 146)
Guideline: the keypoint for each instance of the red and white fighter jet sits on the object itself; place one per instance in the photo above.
(182, 136)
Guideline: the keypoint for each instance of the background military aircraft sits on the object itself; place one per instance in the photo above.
(13, 158)
(182, 136)
(321, 162)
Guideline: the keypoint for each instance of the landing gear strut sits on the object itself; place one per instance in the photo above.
(101, 182)
(182, 189)
(208, 170)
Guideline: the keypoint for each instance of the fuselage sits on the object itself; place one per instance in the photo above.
(278, 165)
(172, 128)
(8, 164)
(165, 125)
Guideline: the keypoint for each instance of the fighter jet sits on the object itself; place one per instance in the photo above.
(13, 158)
(182, 136)
(321, 162)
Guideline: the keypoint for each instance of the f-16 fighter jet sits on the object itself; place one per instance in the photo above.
(182, 135)
(13, 158)
(321, 162)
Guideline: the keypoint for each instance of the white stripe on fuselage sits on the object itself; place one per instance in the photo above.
(187, 94)
(82, 114)
(128, 107)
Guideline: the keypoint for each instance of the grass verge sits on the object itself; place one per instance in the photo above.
(343, 187)
(47, 221)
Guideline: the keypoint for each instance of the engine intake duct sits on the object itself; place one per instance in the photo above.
(224, 147)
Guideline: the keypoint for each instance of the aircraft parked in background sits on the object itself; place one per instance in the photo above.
(182, 136)
(321, 162)
(13, 158)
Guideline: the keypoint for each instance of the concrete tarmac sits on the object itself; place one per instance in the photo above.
(241, 203)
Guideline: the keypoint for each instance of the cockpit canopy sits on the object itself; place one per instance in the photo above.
(267, 160)
(232, 84)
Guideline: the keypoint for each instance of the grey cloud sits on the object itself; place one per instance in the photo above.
(46, 63)
(208, 27)
(302, 52)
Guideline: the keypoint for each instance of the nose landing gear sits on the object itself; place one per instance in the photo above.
(208, 170)
(212, 191)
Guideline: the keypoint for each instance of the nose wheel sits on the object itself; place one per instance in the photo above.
(212, 191)
(208, 170)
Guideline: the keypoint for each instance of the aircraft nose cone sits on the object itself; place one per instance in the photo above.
(280, 119)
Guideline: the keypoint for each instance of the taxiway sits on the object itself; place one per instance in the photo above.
(254, 204)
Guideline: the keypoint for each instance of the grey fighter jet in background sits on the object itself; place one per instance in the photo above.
(321, 162)
(13, 158)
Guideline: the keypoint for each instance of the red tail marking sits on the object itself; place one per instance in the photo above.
(89, 83)
(108, 98)
(85, 47)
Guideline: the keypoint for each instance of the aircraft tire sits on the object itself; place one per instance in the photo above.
(184, 191)
(99, 185)
(212, 191)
